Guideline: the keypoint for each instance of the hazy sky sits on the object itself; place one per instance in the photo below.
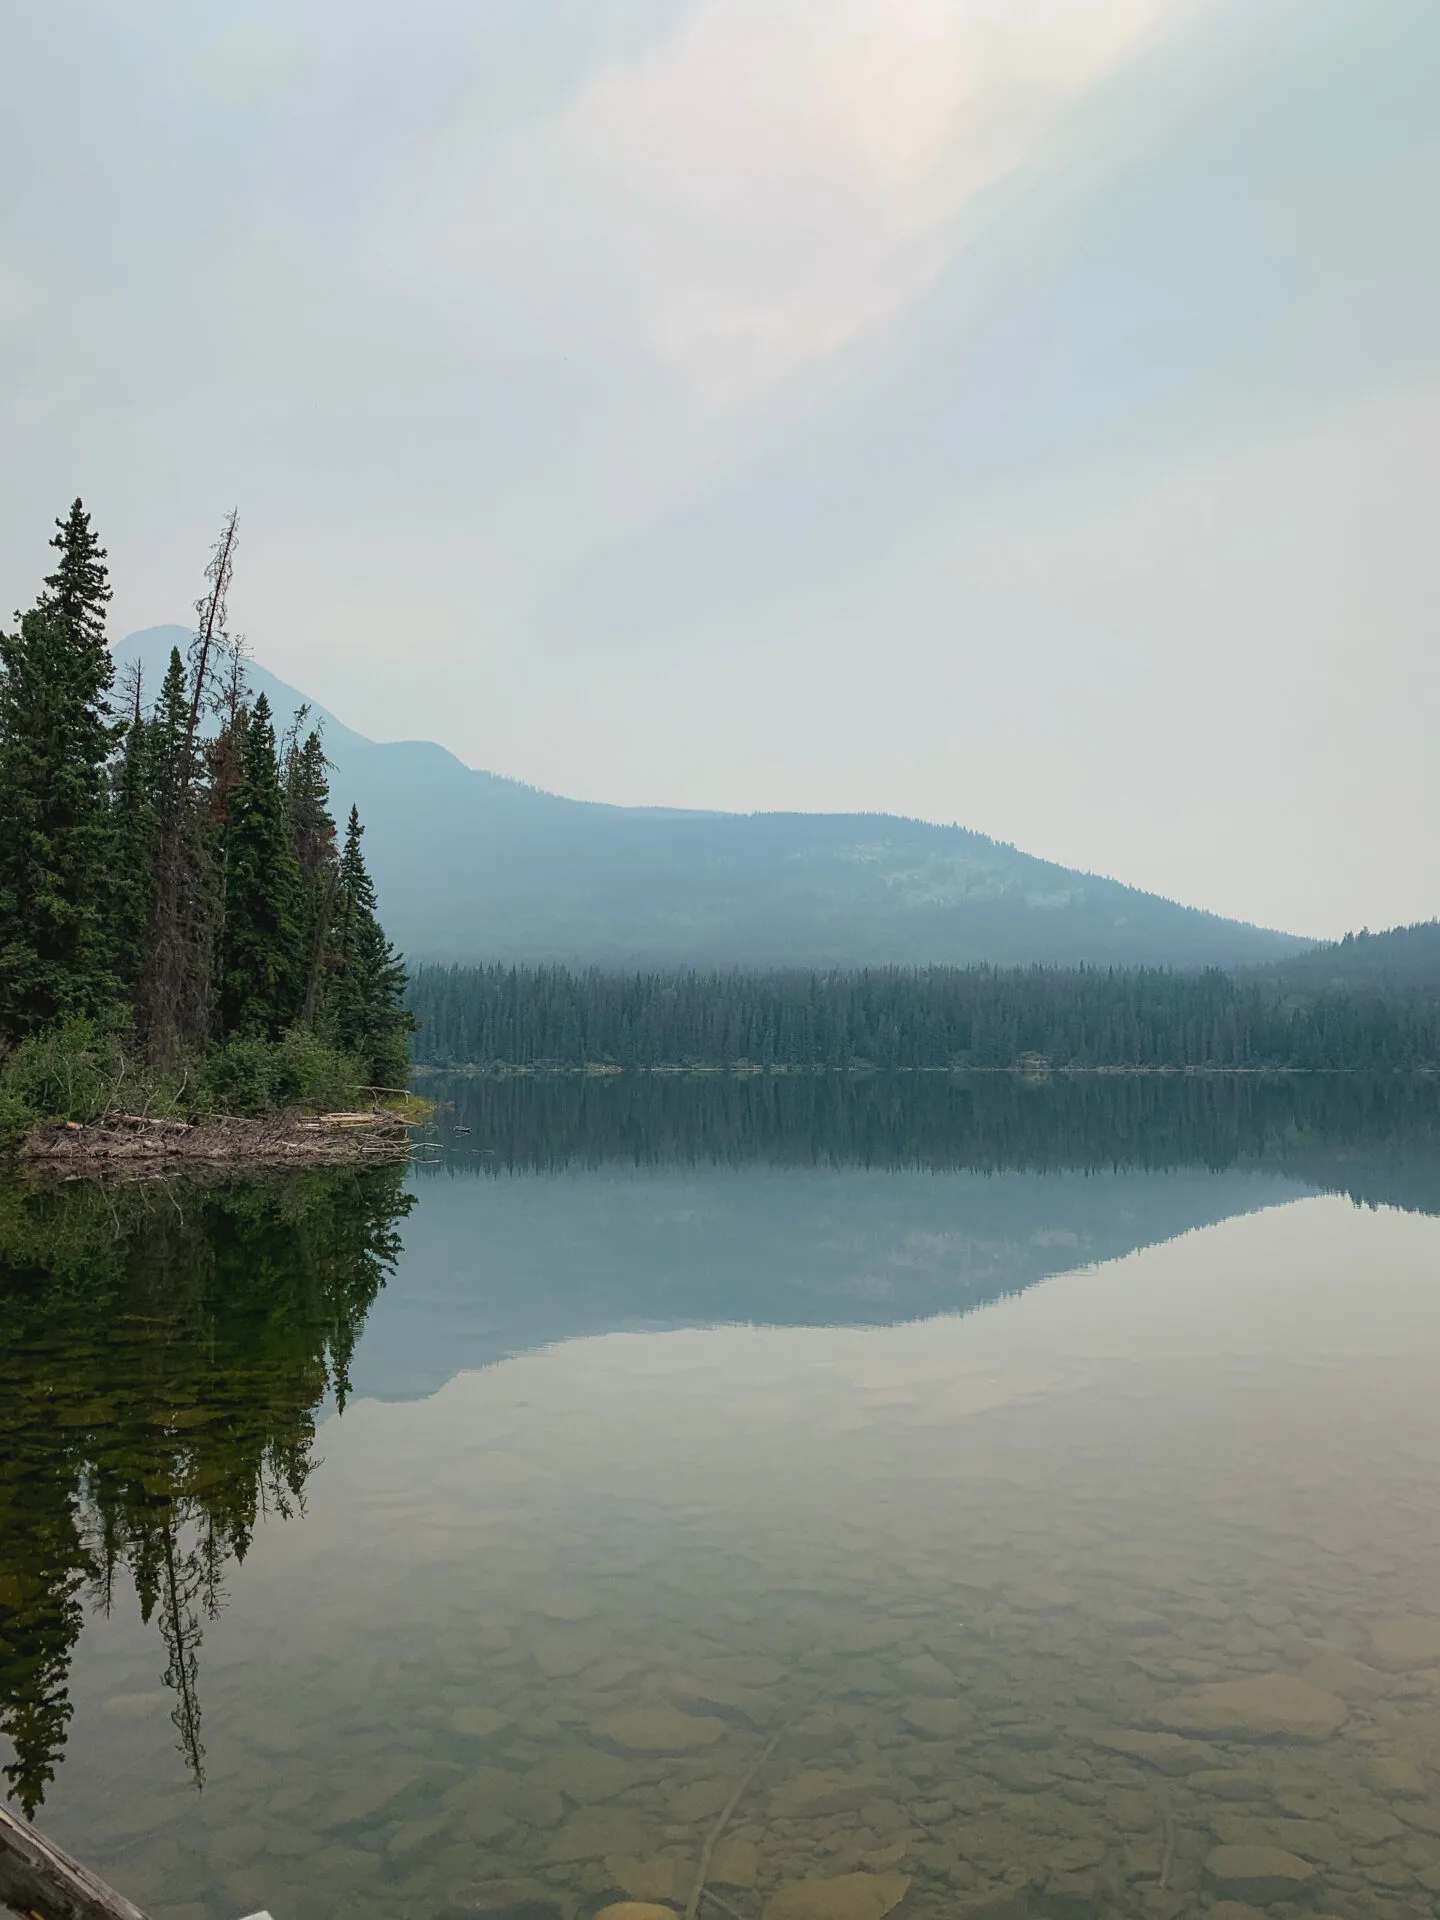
(1018, 412)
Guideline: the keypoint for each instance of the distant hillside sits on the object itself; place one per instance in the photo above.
(471, 866)
(1403, 960)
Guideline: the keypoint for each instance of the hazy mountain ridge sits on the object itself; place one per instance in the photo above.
(1399, 960)
(471, 865)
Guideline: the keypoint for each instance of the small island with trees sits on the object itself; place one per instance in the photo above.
(191, 959)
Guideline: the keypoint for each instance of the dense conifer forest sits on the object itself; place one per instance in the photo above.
(177, 909)
(898, 1018)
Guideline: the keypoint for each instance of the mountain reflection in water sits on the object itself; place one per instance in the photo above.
(814, 1200)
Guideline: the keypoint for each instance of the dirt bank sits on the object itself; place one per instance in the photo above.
(127, 1140)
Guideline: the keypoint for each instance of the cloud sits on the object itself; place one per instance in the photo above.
(1219, 244)
(757, 192)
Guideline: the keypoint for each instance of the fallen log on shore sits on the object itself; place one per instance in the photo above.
(131, 1141)
(39, 1879)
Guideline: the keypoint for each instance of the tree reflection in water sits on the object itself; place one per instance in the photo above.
(164, 1349)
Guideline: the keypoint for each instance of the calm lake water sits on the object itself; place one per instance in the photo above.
(1026, 1497)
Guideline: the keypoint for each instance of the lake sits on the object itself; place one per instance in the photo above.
(935, 1496)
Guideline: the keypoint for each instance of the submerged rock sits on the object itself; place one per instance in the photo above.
(1411, 1640)
(659, 1878)
(942, 1719)
(926, 1674)
(659, 1730)
(1230, 1783)
(593, 1833)
(519, 1899)
(1351, 1679)
(1257, 1875)
(569, 1604)
(480, 1723)
(816, 1793)
(1272, 1706)
(696, 1800)
(1397, 1779)
(735, 1864)
(561, 1653)
(724, 1699)
(849, 1896)
(585, 1774)
(1166, 1752)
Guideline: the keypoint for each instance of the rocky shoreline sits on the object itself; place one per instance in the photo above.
(143, 1143)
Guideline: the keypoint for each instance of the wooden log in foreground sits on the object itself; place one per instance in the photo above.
(39, 1879)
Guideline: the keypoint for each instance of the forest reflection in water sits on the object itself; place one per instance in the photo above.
(1349, 1132)
(423, 1687)
(164, 1349)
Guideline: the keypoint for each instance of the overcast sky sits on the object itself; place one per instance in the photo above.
(1018, 412)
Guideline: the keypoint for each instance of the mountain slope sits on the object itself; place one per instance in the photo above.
(471, 866)
(1400, 960)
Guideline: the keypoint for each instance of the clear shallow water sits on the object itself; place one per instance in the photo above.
(1025, 1465)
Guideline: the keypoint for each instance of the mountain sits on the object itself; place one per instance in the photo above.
(471, 866)
(1401, 960)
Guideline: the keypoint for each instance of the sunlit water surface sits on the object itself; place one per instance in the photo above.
(1065, 1605)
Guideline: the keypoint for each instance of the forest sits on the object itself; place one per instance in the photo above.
(894, 1018)
(180, 919)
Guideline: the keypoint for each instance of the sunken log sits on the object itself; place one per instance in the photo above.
(39, 1879)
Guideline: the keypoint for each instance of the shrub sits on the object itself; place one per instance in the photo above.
(251, 1075)
(83, 1070)
(76, 1071)
(16, 1119)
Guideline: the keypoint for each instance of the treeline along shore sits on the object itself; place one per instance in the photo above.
(184, 934)
(912, 1019)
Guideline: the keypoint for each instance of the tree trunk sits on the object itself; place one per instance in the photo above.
(38, 1879)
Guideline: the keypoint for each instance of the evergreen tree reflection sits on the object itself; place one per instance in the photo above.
(164, 1350)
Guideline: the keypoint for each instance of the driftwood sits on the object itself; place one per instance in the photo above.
(39, 1880)
(111, 1145)
(699, 1890)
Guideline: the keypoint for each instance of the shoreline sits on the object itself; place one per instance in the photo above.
(747, 1070)
(142, 1144)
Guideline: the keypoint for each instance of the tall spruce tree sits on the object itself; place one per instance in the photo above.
(132, 878)
(312, 835)
(369, 976)
(57, 935)
(262, 959)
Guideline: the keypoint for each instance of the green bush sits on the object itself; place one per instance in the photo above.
(16, 1119)
(76, 1071)
(307, 1073)
(251, 1075)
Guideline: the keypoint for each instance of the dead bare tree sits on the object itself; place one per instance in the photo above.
(211, 610)
(175, 1000)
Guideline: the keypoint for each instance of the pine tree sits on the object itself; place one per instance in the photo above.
(173, 988)
(132, 876)
(56, 735)
(312, 836)
(307, 800)
(79, 589)
(369, 976)
(262, 971)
